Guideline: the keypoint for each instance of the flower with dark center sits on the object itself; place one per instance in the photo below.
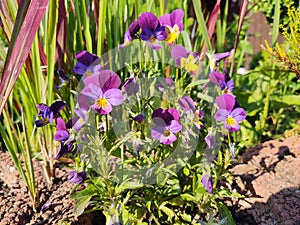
(87, 64)
(48, 113)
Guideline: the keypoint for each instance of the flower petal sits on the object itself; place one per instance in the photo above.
(238, 114)
(148, 20)
(174, 126)
(92, 91)
(221, 115)
(226, 101)
(176, 17)
(114, 96)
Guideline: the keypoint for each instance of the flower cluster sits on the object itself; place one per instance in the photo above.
(152, 30)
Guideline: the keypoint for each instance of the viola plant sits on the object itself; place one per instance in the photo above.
(146, 148)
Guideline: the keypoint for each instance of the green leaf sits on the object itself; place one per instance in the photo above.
(186, 217)
(81, 204)
(188, 197)
(289, 99)
(225, 213)
(170, 213)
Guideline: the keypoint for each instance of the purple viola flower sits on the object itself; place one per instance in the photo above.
(76, 178)
(139, 118)
(103, 101)
(131, 86)
(187, 103)
(216, 77)
(226, 87)
(152, 31)
(214, 59)
(228, 114)
(62, 134)
(48, 113)
(63, 78)
(185, 59)
(65, 147)
(82, 112)
(165, 83)
(173, 24)
(210, 140)
(207, 183)
(105, 80)
(131, 34)
(166, 125)
(87, 64)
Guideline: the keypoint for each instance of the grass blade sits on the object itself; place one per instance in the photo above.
(21, 47)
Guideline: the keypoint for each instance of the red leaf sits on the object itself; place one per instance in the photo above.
(212, 21)
(21, 47)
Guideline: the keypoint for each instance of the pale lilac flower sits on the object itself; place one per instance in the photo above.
(185, 59)
(81, 112)
(214, 59)
(228, 114)
(173, 24)
(103, 101)
(105, 79)
(187, 103)
(207, 183)
(210, 140)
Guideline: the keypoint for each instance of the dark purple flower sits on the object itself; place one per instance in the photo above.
(228, 114)
(139, 118)
(76, 178)
(131, 86)
(131, 34)
(65, 147)
(103, 101)
(105, 80)
(185, 59)
(187, 103)
(173, 24)
(63, 78)
(152, 31)
(87, 64)
(48, 113)
(166, 125)
(207, 183)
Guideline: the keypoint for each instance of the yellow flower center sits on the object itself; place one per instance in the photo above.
(230, 121)
(152, 39)
(172, 34)
(167, 133)
(101, 102)
(88, 73)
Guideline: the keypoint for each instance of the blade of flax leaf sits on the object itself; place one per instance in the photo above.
(21, 48)
(242, 14)
(61, 33)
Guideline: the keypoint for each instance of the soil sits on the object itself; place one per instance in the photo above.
(267, 175)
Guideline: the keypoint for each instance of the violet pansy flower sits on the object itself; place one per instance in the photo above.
(131, 34)
(103, 101)
(187, 103)
(105, 79)
(166, 125)
(214, 59)
(152, 31)
(131, 86)
(87, 64)
(76, 177)
(62, 134)
(81, 112)
(48, 113)
(223, 80)
(185, 59)
(228, 114)
(173, 24)
(207, 183)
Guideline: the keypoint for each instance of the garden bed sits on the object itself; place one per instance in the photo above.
(267, 175)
